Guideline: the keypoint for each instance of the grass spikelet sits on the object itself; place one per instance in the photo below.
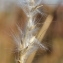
(26, 40)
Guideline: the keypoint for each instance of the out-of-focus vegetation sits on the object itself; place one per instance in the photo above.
(53, 38)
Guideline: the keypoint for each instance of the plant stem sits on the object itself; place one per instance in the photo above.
(41, 35)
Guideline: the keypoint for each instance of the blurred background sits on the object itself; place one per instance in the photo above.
(11, 13)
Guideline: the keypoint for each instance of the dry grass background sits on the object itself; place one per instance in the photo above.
(55, 34)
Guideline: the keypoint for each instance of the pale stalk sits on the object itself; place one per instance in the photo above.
(22, 57)
(41, 35)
